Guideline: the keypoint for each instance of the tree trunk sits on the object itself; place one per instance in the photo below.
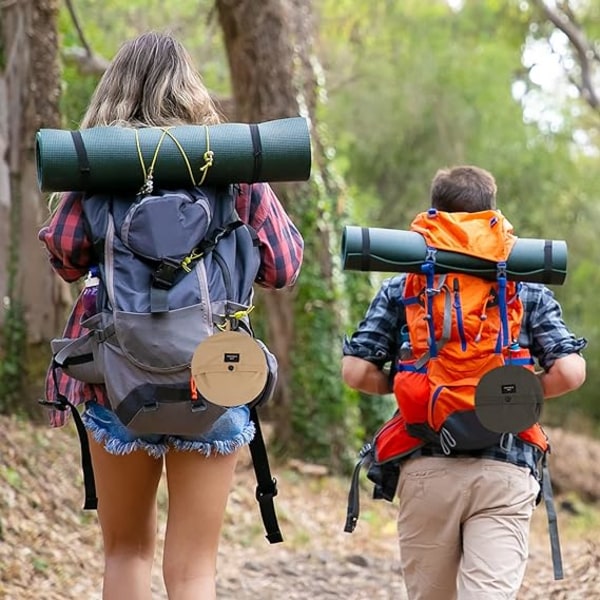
(29, 89)
(4, 191)
(269, 48)
(260, 41)
(30, 80)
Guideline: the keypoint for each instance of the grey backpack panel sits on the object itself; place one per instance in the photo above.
(238, 253)
(161, 227)
(160, 343)
(144, 355)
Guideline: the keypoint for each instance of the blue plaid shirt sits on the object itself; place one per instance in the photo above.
(543, 333)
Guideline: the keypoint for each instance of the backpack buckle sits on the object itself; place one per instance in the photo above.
(266, 493)
(55, 404)
(164, 275)
(430, 254)
(501, 270)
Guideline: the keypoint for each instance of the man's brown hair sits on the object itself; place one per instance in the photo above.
(463, 189)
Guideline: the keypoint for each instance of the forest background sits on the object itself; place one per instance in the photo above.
(393, 91)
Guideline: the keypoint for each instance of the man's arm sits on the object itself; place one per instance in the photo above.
(364, 376)
(565, 375)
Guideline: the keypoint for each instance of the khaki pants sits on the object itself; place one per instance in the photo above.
(463, 526)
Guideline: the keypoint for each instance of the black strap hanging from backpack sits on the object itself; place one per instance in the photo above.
(62, 403)
(168, 270)
(266, 488)
(548, 496)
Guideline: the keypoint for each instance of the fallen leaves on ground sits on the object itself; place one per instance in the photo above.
(50, 548)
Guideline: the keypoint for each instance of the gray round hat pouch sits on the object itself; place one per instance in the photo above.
(509, 399)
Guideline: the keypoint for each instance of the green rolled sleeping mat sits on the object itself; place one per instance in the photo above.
(118, 159)
(394, 250)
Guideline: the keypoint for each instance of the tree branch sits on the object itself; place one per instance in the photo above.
(77, 25)
(586, 53)
(84, 57)
(88, 64)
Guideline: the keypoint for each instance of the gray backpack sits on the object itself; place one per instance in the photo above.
(175, 268)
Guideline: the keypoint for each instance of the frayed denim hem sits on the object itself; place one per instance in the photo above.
(118, 447)
(117, 440)
(216, 446)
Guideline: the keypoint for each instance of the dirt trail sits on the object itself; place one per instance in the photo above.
(50, 548)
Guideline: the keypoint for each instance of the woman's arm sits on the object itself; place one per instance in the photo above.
(65, 238)
(281, 245)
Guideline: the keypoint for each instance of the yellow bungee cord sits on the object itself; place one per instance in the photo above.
(229, 321)
(148, 184)
(208, 157)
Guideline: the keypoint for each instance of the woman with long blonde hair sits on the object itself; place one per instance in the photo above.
(152, 82)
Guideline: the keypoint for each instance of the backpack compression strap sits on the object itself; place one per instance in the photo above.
(430, 291)
(165, 275)
(62, 403)
(266, 488)
(546, 486)
(353, 509)
(504, 338)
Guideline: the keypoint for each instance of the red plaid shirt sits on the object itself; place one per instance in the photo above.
(71, 256)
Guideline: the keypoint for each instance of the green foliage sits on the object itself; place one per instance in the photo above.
(12, 477)
(437, 88)
(77, 91)
(13, 366)
(558, 93)
(14, 336)
(415, 86)
(325, 415)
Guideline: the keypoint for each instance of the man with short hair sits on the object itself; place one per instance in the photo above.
(464, 517)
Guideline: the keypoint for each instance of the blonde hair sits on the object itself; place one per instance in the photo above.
(152, 82)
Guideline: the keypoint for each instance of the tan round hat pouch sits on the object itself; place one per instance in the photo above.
(230, 368)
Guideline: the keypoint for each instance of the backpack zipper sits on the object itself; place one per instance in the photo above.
(225, 271)
(459, 316)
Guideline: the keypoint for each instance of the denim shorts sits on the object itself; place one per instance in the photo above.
(231, 431)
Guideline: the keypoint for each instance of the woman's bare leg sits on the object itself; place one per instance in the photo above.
(126, 486)
(198, 489)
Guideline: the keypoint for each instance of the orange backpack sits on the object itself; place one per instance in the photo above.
(460, 327)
